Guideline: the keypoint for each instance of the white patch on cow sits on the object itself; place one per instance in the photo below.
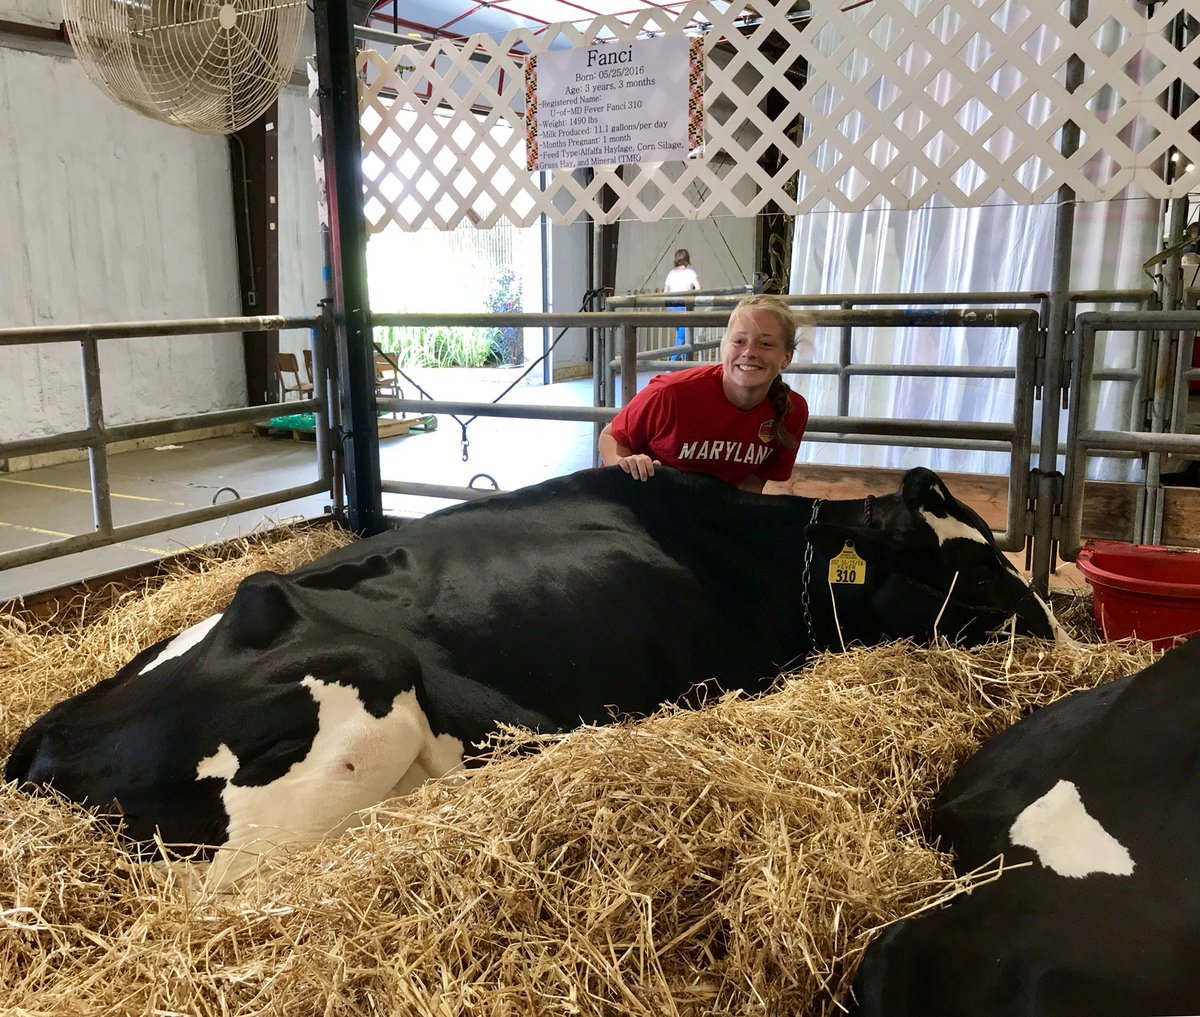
(222, 763)
(183, 642)
(948, 528)
(1066, 839)
(356, 760)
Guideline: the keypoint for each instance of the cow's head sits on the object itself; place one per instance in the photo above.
(931, 567)
(259, 725)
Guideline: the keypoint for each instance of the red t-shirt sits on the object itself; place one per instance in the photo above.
(685, 421)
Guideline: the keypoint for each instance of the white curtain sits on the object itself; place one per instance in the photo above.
(999, 247)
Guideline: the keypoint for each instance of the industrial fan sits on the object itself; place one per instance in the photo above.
(212, 66)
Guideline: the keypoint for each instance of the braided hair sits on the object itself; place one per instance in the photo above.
(777, 394)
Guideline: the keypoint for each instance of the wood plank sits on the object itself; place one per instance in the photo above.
(1181, 516)
(986, 494)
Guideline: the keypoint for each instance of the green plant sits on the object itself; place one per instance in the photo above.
(435, 346)
(505, 297)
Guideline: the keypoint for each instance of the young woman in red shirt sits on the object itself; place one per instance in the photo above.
(736, 420)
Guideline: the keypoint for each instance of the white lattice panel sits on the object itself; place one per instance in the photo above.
(904, 100)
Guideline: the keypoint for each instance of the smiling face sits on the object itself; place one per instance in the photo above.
(755, 350)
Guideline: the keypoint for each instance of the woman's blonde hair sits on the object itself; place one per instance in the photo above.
(777, 394)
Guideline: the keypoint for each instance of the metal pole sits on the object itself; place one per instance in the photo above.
(1165, 345)
(338, 95)
(600, 372)
(845, 350)
(321, 395)
(148, 329)
(98, 447)
(629, 363)
(325, 334)
(1049, 480)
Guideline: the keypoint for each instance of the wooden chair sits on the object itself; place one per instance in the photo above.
(287, 369)
(387, 380)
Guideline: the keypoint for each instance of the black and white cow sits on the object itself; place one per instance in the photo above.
(321, 692)
(1099, 794)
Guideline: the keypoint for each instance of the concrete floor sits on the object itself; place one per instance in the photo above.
(44, 504)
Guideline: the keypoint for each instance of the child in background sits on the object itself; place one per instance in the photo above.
(681, 279)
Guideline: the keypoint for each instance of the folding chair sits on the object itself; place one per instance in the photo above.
(387, 380)
(287, 369)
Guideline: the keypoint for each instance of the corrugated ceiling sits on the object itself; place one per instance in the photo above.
(453, 19)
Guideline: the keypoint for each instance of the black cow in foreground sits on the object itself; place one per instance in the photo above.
(322, 692)
(1100, 794)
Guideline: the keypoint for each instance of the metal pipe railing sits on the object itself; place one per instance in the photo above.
(98, 446)
(151, 329)
(611, 327)
(1083, 438)
(97, 436)
(1014, 436)
(554, 319)
(132, 531)
(853, 300)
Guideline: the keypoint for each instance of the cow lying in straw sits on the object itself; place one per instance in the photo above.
(1091, 803)
(320, 693)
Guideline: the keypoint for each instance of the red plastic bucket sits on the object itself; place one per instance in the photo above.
(1142, 590)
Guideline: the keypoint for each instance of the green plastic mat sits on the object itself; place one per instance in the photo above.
(308, 422)
(296, 422)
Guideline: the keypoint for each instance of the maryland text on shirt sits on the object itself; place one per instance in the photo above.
(729, 451)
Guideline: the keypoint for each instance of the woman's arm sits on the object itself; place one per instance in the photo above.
(638, 466)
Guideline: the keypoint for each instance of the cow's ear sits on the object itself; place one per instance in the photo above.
(919, 487)
(262, 610)
(926, 494)
(829, 540)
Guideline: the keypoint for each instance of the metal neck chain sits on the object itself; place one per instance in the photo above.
(806, 576)
(805, 595)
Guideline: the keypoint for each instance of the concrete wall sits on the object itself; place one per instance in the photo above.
(567, 260)
(108, 216)
(111, 216)
(722, 250)
(42, 13)
(301, 261)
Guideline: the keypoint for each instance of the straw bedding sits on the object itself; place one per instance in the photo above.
(734, 859)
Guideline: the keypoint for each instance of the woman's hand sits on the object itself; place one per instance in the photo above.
(639, 466)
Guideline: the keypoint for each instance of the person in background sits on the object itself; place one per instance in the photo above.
(681, 279)
(736, 420)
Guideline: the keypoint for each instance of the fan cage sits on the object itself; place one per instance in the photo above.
(212, 66)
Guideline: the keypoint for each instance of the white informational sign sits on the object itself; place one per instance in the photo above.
(611, 103)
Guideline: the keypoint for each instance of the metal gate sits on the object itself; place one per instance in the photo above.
(1044, 506)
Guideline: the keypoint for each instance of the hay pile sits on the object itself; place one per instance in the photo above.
(734, 860)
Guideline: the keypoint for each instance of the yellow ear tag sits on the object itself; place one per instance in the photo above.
(847, 568)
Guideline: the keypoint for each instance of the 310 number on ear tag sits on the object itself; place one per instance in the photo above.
(847, 569)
